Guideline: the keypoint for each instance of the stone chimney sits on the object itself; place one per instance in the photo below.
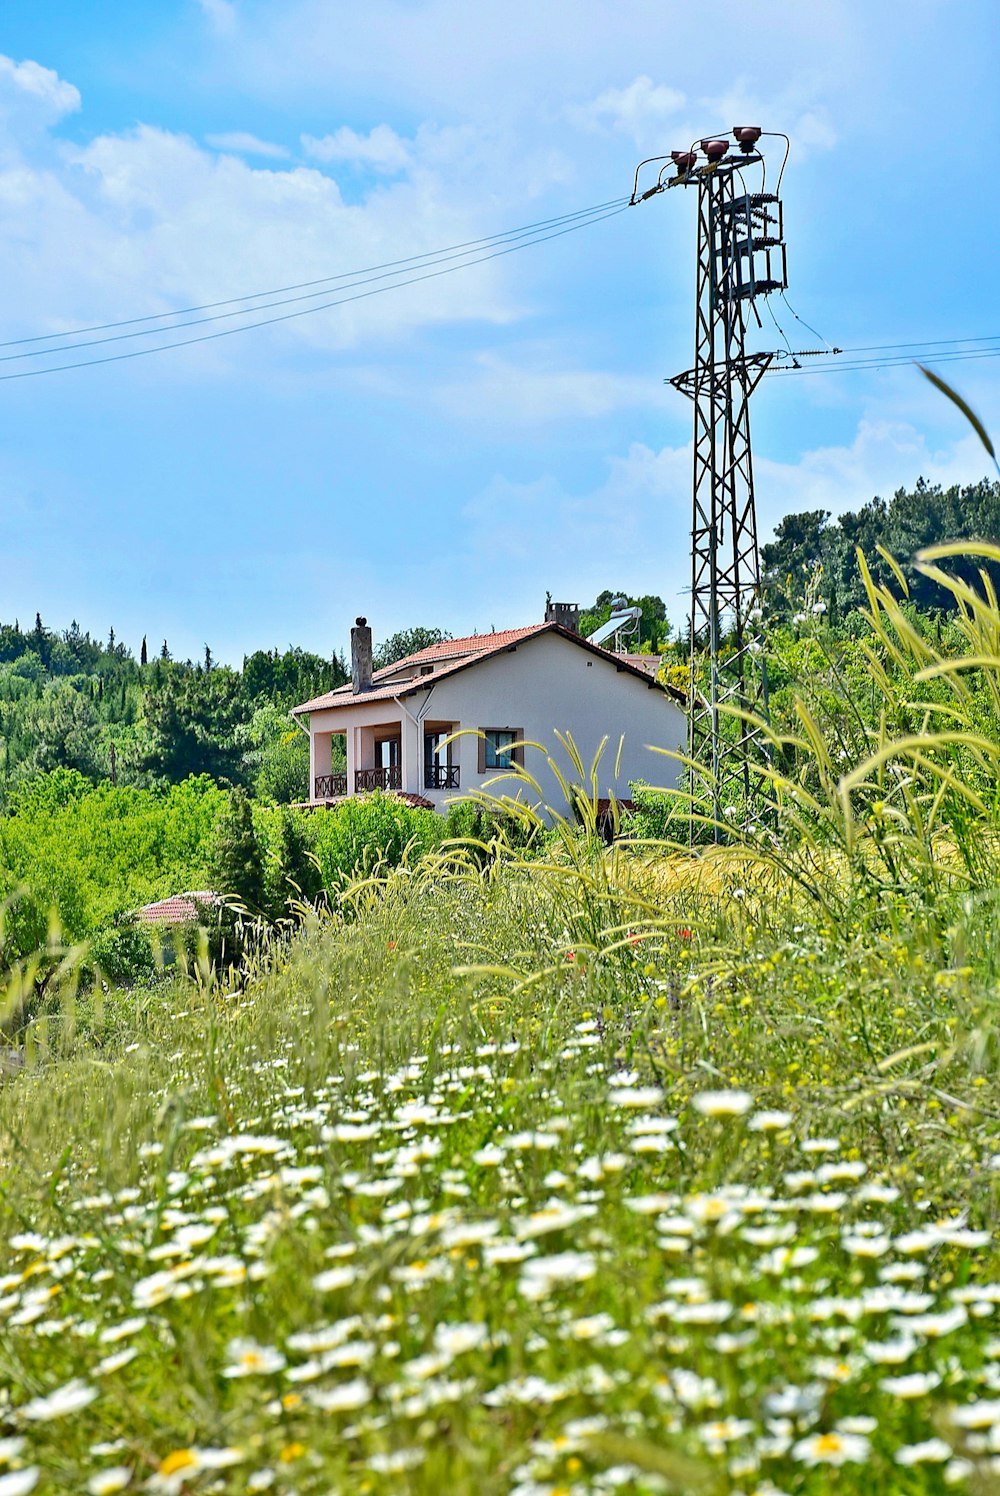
(361, 656)
(566, 615)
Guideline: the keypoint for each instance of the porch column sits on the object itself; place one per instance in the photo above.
(411, 756)
(351, 745)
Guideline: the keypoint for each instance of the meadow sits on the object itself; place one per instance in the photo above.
(559, 1170)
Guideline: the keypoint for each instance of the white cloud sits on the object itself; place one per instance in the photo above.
(638, 110)
(28, 83)
(157, 221)
(245, 144)
(221, 15)
(381, 149)
(884, 455)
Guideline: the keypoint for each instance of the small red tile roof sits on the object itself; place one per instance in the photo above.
(451, 656)
(179, 909)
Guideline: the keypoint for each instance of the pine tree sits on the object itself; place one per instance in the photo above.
(144, 652)
(164, 652)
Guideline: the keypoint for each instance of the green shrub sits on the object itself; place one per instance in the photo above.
(123, 953)
(370, 831)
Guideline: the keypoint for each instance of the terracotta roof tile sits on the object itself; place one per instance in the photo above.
(179, 909)
(471, 644)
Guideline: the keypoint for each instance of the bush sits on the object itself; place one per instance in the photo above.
(123, 953)
(371, 831)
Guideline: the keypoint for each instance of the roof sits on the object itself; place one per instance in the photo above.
(407, 676)
(649, 664)
(179, 909)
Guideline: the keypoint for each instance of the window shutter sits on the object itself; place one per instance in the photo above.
(482, 751)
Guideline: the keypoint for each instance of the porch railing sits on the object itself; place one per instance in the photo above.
(441, 777)
(390, 778)
(330, 786)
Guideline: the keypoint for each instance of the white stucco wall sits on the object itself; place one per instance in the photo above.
(542, 685)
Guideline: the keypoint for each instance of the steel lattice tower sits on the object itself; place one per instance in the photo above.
(741, 255)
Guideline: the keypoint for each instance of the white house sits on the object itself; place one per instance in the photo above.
(518, 686)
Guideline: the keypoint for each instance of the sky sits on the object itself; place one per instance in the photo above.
(447, 452)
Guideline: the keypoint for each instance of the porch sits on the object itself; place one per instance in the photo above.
(401, 756)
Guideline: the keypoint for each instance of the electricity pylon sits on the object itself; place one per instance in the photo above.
(741, 256)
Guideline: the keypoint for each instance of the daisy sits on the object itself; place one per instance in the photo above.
(733, 1103)
(832, 1449)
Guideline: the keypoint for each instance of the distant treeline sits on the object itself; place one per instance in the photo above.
(69, 701)
(811, 550)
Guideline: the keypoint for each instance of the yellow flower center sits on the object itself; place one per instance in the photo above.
(178, 1459)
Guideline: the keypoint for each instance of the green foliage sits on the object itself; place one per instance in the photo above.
(191, 720)
(275, 755)
(285, 680)
(236, 856)
(928, 515)
(406, 642)
(369, 832)
(294, 875)
(123, 952)
(92, 852)
(654, 817)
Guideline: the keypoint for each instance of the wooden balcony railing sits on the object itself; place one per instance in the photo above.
(378, 779)
(330, 786)
(441, 777)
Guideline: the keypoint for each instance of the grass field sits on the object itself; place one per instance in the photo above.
(457, 1197)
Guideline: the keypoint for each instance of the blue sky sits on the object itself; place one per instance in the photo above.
(446, 453)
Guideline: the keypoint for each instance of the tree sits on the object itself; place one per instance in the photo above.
(295, 871)
(275, 755)
(236, 858)
(286, 679)
(144, 652)
(191, 722)
(406, 642)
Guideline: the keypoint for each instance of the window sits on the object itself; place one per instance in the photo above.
(387, 753)
(497, 749)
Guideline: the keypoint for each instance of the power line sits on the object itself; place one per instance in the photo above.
(894, 361)
(226, 332)
(455, 251)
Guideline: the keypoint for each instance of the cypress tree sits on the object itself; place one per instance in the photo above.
(236, 859)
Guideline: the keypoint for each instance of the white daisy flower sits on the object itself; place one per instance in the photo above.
(733, 1103)
(67, 1399)
(832, 1449)
(928, 1452)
